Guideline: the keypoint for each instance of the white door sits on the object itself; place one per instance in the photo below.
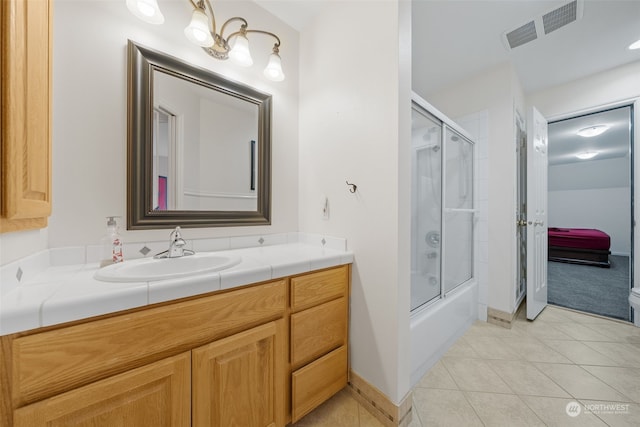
(537, 144)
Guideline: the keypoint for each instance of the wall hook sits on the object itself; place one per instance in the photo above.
(353, 187)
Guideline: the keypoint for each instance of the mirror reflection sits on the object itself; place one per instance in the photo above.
(199, 146)
(204, 148)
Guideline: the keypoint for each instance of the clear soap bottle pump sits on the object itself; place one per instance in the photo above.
(111, 243)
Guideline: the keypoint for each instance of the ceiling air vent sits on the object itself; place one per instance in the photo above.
(544, 24)
(521, 35)
(560, 17)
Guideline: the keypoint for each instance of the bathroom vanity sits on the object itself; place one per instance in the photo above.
(258, 354)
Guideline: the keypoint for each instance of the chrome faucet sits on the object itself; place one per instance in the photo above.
(176, 246)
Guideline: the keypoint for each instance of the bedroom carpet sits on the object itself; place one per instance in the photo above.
(597, 290)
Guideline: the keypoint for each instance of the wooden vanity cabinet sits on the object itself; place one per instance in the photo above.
(234, 380)
(219, 358)
(157, 394)
(319, 335)
(25, 115)
(256, 356)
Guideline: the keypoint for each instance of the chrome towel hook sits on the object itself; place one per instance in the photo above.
(353, 187)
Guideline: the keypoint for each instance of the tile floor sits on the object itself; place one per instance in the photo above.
(528, 375)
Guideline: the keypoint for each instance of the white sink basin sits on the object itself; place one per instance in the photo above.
(148, 269)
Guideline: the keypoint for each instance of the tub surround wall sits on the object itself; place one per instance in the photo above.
(435, 328)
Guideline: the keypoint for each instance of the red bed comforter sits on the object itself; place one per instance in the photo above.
(581, 238)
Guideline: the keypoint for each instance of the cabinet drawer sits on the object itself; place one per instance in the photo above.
(317, 382)
(316, 288)
(317, 331)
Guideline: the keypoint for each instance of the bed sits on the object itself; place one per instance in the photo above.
(579, 246)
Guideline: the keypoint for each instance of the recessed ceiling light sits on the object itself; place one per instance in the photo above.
(634, 45)
(592, 131)
(587, 155)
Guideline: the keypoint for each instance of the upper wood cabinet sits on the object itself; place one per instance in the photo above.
(25, 120)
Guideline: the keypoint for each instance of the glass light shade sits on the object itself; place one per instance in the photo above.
(198, 29)
(587, 155)
(239, 53)
(273, 71)
(592, 131)
(634, 45)
(146, 10)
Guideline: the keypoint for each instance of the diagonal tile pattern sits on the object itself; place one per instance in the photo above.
(524, 376)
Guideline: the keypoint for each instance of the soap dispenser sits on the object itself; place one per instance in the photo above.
(111, 243)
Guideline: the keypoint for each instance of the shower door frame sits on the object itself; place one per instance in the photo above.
(445, 124)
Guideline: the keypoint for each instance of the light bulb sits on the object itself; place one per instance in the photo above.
(273, 71)
(198, 29)
(587, 155)
(240, 53)
(592, 131)
(146, 10)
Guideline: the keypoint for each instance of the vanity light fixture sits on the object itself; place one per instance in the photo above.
(147, 10)
(587, 155)
(592, 131)
(202, 31)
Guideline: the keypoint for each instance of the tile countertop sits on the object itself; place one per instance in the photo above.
(58, 285)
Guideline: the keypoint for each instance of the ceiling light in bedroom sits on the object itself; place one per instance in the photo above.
(592, 131)
(587, 155)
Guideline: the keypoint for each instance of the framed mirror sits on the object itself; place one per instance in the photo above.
(199, 146)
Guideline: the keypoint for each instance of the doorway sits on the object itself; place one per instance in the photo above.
(590, 206)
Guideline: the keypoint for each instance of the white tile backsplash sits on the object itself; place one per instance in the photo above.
(68, 255)
(208, 245)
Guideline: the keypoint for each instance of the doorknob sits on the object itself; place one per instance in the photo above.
(522, 223)
(538, 223)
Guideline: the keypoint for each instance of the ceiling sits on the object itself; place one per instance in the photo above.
(456, 39)
(464, 37)
(453, 40)
(564, 143)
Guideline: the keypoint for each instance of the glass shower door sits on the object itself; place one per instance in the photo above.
(458, 210)
(426, 207)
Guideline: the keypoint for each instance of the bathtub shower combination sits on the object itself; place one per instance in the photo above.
(442, 229)
(442, 208)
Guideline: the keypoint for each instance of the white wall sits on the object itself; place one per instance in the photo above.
(496, 92)
(593, 194)
(90, 115)
(353, 77)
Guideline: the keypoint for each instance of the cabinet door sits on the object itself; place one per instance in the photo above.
(237, 381)
(154, 395)
(25, 135)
